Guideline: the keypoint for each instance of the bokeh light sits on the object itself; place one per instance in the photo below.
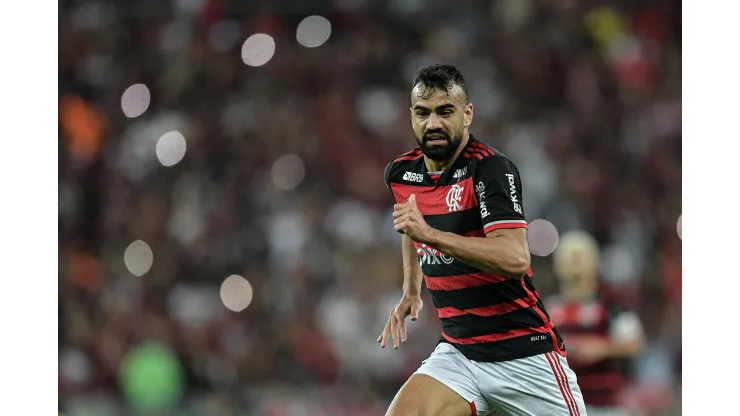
(171, 148)
(313, 31)
(258, 49)
(135, 100)
(543, 237)
(377, 108)
(138, 258)
(679, 229)
(236, 293)
(288, 172)
(74, 366)
(618, 264)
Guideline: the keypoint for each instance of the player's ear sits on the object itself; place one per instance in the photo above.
(468, 115)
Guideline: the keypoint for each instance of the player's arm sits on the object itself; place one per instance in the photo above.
(410, 303)
(505, 249)
(412, 275)
(504, 252)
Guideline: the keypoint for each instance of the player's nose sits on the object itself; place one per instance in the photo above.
(434, 122)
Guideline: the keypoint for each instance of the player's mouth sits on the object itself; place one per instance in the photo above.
(436, 139)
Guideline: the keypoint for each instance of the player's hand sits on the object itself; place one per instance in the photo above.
(407, 219)
(396, 325)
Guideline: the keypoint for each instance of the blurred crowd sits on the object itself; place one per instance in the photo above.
(281, 184)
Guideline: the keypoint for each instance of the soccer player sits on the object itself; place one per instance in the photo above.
(459, 208)
(600, 335)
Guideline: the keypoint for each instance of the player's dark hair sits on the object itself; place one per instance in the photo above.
(439, 76)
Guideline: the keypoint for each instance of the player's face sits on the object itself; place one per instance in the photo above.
(439, 120)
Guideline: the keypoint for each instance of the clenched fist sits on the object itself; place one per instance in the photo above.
(407, 219)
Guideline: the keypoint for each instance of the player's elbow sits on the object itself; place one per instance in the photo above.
(518, 265)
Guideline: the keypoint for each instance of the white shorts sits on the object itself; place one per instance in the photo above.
(541, 385)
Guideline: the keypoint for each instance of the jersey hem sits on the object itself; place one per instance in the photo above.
(483, 358)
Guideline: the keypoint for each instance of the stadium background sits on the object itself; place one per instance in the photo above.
(281, 184)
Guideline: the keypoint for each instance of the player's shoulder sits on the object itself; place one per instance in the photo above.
(407, 158)
(483, 155)
(405, 162)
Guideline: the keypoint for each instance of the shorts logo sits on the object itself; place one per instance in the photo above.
(512, 192)
(413, 177)
(480, 189)
(454, 197)
(538, 338)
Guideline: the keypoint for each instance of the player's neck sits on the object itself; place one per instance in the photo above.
(443, 165)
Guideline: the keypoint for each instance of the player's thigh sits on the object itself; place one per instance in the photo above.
(422, 395)
(539, 385)
(445, 384)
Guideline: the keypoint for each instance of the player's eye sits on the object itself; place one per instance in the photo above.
(422, 114)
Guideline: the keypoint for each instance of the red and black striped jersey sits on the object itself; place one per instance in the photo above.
(486, 316)
(601, 382)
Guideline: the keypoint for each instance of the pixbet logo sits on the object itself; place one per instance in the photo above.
(454, 196)
(480, 189)
(512, 193)
(428, 255)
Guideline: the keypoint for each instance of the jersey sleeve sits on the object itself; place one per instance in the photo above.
(499, 192)
(387, 175)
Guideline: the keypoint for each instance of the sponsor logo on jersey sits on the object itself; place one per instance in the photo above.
(512, 193)
(480, 189)
(460, 173)
(413, 177)
(454, 196)
(428, 255)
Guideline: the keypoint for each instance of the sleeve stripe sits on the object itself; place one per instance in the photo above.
(496, 225)
(482, 148)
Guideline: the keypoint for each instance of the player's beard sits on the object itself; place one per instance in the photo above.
(440, 152)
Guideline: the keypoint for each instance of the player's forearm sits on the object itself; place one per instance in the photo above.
(412, 275)
(412, 284)
(499, 255)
